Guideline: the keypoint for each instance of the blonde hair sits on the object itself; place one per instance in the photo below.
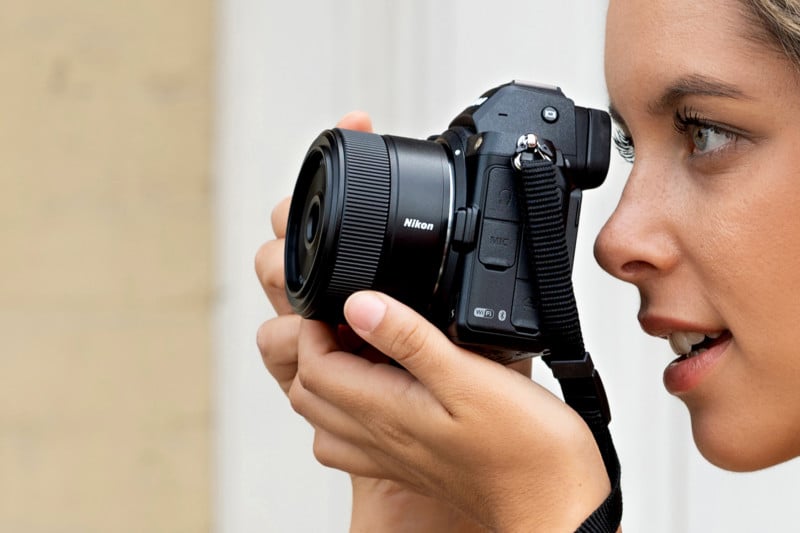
(780, 19)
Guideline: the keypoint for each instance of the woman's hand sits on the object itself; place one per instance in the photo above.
(453, 425)
(378, 504)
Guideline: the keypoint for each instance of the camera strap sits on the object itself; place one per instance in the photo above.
(545, 241)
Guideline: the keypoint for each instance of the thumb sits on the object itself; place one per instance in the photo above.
(408, 338)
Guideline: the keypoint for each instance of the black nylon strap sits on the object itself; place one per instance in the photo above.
(545, 240)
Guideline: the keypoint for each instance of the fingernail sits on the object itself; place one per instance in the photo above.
(364, 311)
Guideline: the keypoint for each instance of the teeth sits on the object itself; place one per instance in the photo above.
(681, 342)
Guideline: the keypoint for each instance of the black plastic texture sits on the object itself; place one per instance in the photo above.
(420, 219)
(582, 135)
(595, 125)
(364, 214)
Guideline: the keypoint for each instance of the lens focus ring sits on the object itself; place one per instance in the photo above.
(364, 215)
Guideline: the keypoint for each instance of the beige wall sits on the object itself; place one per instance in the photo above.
(105, 265)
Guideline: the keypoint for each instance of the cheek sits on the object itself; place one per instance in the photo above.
(747, 255)
(747, 243)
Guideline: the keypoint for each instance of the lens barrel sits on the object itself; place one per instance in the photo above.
(368, 212)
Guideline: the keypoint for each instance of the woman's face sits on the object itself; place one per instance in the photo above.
(708, 227)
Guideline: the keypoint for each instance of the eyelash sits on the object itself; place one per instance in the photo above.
(682, 122)
(687, 118)
(624, 144)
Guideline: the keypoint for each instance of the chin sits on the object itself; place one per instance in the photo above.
(737, 446)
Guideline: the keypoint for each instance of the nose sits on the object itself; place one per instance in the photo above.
(638, 242)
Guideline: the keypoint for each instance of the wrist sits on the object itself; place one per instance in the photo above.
(381, 505)
(565, 494)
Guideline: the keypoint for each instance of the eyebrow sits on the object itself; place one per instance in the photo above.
(691, 85)
(694, 85)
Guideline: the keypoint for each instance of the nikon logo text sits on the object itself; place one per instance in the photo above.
(414, 223)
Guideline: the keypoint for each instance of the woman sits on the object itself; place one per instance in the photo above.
(706, 96)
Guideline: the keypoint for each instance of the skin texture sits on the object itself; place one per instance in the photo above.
(456, 443)
(710, 233)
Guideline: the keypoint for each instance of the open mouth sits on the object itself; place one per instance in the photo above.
(691, 344)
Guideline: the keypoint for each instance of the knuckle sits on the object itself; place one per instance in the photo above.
(263, 336)
(305, 377)
(270, 271)
(277, 343)
(322, 448)
(261, 257)
(297, 397)
(279, 217)
(269, 265)
(389, 429)
(408, 341)
(395, 435)
(277, 340)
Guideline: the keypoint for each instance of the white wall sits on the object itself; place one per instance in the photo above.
(290, 69)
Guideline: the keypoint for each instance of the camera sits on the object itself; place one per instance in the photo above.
(436, 223)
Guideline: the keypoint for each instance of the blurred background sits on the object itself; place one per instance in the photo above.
(142, 147)
(107, 285)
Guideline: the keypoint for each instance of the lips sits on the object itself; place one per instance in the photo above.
(698, 348)
(691, 368)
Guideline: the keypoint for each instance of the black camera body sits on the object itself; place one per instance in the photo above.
(436, 223)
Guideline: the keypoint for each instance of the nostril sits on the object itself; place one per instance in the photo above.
(633, 268)
(630, 259)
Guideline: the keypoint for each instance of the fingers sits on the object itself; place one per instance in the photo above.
(356, 120)
(277, 342)
(399, 332)
(323, 415)
(340, 377)
(269, 261)
(279, 217)
(335, 452)
(383, 398)
(269, 268)
(331, 382)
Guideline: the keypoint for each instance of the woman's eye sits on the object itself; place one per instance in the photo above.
(703, 136)
(707, 138)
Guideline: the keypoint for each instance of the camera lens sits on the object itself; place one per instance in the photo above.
(368, 212)
(312, 222)
(305, 245)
